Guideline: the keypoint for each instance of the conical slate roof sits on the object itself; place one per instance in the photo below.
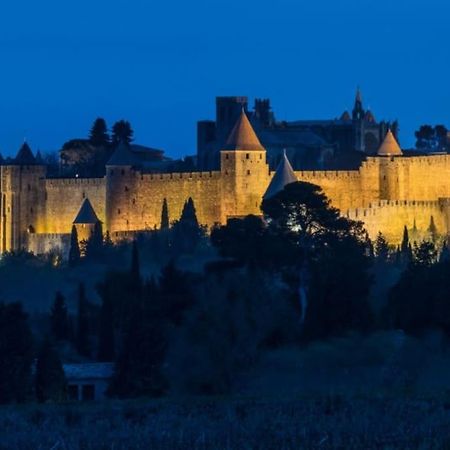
(283, 176)
(243, 136)
(389, 147)
(86, 214)
(25, 156)
(123, 156)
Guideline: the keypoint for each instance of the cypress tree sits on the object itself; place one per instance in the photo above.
(50, 381)
(74, 252)
(164, 215)
(432, 229)
(58, 318)
(106, 347)
(82, 334)
(404, 247)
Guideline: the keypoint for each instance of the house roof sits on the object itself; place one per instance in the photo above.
(284, 175)
(243, 136)
(86, 214)
(25, 156)
(88, 370)
(389, 146)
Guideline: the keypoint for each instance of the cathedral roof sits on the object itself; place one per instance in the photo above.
(86, 214)
(369, 117)
(123, 156)
(243, 136)
(25, 156)
(389, 147)
(283, 176)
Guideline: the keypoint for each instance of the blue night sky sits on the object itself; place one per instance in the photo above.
(160, 64)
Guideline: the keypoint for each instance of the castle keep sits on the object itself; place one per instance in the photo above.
(387, 192)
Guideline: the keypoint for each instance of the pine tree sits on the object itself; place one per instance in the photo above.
(122, 131)
(82, 334)
(16, 353)
(74, 252)
(381, 247)
(98, 135)
(165, 215)
(58, 318)
(50, 381)
(106, 344)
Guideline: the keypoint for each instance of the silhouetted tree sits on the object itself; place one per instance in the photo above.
(381, 248)
(58, 318)
(331, 262)
(82, 334)
(94, 244)
(189, 214)
(138, 369)
(164, 215)
(135, 264)
(106, 341)
(425, 254)
(74, 251)
(98, 135)
(432, 229)
(16, 354)
(122, 131)
(50, 380)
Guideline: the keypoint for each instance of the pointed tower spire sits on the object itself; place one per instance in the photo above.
(123, 156)
(243, 136)
(389, 147)
(86, 215)
(358, 110)
(283, 176)
(25, 156)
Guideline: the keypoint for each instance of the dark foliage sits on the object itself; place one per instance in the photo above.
(16, 350)
(164, 215)
(74, 251)
(122, 131)
(50, 381)
(58, 318)
(82, 333)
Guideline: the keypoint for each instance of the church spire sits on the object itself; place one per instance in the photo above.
(358, 110)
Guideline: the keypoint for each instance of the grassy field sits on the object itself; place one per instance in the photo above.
(378, 422)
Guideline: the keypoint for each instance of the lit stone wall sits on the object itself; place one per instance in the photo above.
(64, 197)
(135, 200)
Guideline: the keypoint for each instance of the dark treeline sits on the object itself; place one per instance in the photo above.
(299, 274)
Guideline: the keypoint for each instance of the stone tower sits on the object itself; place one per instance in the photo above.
(244, 170)
(22, 208)
(120, 189)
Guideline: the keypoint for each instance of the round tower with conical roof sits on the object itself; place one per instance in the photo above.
(244, 171)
